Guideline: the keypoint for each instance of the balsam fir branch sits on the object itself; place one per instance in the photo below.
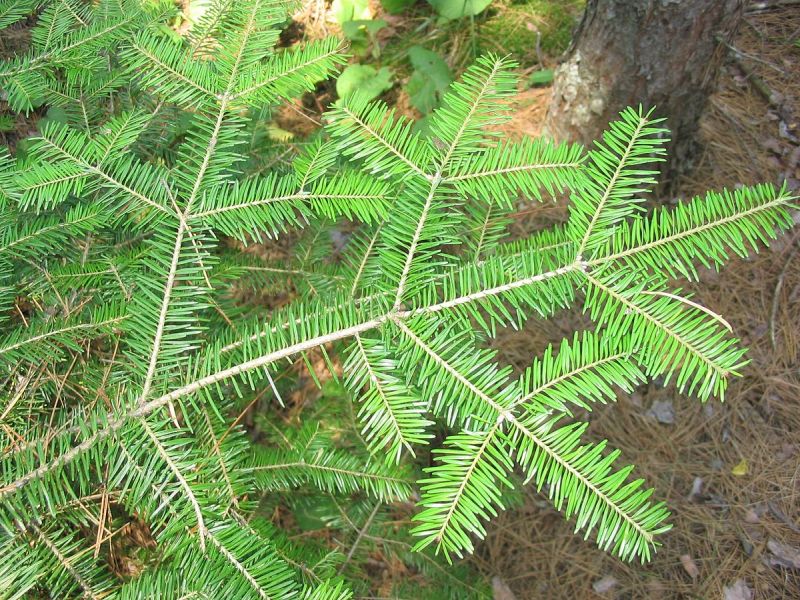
(130, 360)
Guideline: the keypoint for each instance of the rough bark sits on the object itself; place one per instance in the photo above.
(658, 53)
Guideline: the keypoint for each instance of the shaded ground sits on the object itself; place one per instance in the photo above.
(729, 472)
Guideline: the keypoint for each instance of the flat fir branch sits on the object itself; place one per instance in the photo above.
(127, 361)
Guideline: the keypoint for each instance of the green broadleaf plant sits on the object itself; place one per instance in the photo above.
(394, 7)
(362, 36)
(430, 79)
(457, 9)
(129, 356)
(351, 10)
(365, 80)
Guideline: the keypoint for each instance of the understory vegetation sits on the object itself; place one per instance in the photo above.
(172, 284)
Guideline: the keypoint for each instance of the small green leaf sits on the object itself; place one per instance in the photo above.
(364, 79)
(741, 469)
(394, 7)
(543, 77)
(315, 514)
(456, 9)
(362, 28)
(361, 34)
(429, 81)
(422, 126)
(351, 10)
(55, 114)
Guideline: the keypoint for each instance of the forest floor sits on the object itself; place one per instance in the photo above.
(730, 472)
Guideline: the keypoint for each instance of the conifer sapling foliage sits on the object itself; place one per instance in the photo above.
(136, 341)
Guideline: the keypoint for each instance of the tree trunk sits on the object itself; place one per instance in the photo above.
(659, 53)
